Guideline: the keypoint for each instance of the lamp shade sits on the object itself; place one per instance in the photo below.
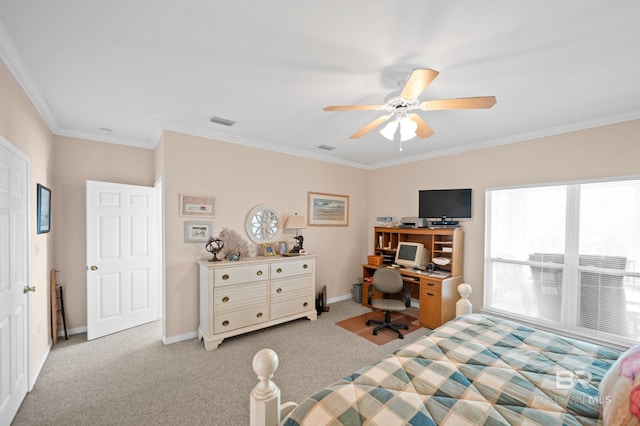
(295, 222)
(408, 129)
(389, 130)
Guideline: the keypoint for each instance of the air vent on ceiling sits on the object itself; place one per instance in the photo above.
(326, 147)
(223, 121)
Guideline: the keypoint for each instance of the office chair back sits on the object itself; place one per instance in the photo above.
(387, 280)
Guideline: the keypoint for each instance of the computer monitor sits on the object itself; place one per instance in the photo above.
(412, 255)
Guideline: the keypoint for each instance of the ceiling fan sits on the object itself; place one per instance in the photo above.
(400, 105)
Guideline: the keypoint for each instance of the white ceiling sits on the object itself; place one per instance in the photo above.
(141, 66)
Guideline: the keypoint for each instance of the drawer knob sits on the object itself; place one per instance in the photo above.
(430, 294)
(279, 270)
(259, 315)
(279, 291)
(259, 273)
(225, 323)
(430, 284)
(305, 266)
(305, 304)
(225, 277)
(225, 299)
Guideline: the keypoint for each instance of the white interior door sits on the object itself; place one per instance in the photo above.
(14, 276)
(122, 256)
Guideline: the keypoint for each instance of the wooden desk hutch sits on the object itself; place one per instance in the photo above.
(437, 294)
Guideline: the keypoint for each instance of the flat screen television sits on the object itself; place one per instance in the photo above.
(412, 255)
(444, 204)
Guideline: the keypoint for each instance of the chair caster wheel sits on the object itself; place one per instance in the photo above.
(401, 336)
(375, 333)
(368, 322)
(406, 327)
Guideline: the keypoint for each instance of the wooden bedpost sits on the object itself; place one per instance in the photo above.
(265, 396)
(463, 306)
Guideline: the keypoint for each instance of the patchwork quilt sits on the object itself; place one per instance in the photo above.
(474, 370)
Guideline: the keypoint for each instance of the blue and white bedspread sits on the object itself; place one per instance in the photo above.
(474, 370)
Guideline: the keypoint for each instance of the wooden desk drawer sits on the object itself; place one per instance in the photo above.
(291, 268)
(239, 319)
(240, 274)
(432, 285)
(238, 297)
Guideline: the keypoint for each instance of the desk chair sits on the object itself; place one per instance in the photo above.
(388, 281)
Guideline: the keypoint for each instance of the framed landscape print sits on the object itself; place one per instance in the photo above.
(327, 209)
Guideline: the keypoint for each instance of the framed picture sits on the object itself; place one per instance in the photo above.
(270, 249)
(327, 209)
(197, 205)
(44, 209)
(197, 232)
(282, 247)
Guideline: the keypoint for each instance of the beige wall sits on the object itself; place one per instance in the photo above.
(599, 152)
(75, 162)
(22, 126)
(241, 178)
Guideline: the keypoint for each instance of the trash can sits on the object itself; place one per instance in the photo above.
(357, 292)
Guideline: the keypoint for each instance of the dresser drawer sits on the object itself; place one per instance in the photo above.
(238, 319)
(291, 307)
(290, 288)
(240, 274)
(238, 297)
(289, 269)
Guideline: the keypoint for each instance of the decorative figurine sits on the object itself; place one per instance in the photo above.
(214, 246)
(298, 247)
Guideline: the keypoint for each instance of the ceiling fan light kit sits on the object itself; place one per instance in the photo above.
(399, 106)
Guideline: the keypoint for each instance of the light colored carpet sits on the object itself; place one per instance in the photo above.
(132, 378)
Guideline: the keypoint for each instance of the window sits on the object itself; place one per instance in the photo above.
(567, 257)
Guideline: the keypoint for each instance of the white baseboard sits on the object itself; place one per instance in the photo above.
(36, 372)
(180, 338)
(70, 331)
(414, 302)
(340, 298)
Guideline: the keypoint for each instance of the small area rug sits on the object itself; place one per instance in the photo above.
(358, 326)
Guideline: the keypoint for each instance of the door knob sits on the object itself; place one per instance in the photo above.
(27, 289)
(94, 268)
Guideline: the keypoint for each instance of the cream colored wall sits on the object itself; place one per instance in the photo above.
(606, 151)
(20, 124)
(75, 162)
(240, 178)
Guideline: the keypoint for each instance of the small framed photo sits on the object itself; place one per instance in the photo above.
(327, 209)
(197, 205)
(197, 232)
(44, 209)
(270, 249)
(282, 247)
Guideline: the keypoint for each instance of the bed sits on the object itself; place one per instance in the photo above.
(474, 370)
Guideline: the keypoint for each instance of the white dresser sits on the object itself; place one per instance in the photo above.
(247, 295)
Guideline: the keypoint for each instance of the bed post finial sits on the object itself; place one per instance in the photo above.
(265, 396)
(463, 306)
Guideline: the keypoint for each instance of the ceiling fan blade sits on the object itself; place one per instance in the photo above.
(418, 81)
(459, 103)
(369, 127)
(353, 107)
(423, 131)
